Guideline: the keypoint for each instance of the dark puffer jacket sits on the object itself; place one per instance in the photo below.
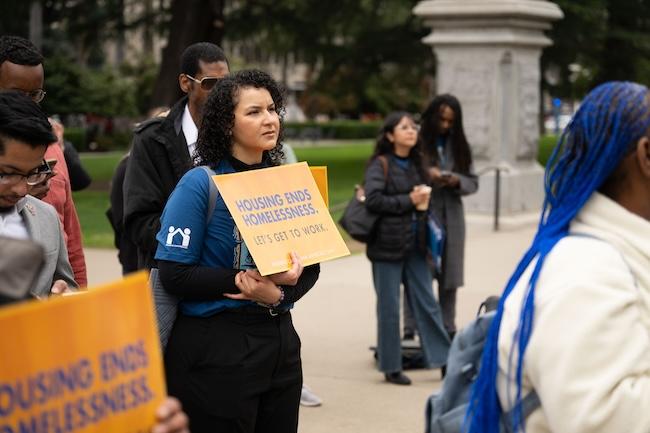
(395, 235)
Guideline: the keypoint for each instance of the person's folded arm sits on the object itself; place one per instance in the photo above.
(306, 281)
(196, 283)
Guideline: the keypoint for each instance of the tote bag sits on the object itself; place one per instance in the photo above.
(357, 220)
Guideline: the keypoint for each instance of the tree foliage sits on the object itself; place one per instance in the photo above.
(364, 56)
(601, 40)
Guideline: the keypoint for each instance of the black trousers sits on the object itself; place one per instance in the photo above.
(236, 372)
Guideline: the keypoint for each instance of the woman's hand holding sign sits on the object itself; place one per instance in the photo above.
(264, 289)
(170, 417)
(290, 277)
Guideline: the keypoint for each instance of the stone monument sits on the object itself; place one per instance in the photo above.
(487, 55)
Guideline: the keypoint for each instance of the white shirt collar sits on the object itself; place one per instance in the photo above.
(12, 224)
(190, 130)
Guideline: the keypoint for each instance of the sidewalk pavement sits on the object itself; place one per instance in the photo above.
(337, 324)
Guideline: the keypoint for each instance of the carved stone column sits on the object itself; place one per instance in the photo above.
(487, 55)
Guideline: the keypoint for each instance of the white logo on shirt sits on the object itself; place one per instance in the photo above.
(185, 237)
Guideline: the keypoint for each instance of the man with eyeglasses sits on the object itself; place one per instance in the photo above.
(21, 70)
(24, 135)
(163, 147)
(21, 67)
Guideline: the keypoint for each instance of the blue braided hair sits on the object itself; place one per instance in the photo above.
(606, 128)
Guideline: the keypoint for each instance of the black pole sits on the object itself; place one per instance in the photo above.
(497, 188)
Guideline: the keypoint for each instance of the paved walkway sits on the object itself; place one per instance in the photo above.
(336, 322)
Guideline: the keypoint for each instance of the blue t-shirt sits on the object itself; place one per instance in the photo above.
(186, 237)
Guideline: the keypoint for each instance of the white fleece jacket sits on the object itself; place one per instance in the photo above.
(589, 353)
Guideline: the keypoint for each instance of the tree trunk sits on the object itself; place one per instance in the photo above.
(120, 40)
(191, 21)
(36, 24)
(147, 34)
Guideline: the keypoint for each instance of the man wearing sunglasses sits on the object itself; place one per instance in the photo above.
(163, 147)
(21, 70)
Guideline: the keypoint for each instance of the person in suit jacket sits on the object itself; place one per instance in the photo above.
(42, 224)
(25, 134)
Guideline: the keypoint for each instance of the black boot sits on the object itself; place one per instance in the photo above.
(398, 378)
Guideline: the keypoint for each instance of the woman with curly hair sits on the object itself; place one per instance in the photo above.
(394, 187)
(233, 357)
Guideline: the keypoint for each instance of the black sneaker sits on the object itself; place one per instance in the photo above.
(398, 378)
(409, 336)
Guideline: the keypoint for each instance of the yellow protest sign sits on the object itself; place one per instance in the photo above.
(320, 177)
(82, 364)
(279, 210)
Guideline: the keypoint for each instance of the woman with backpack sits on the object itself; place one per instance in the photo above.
(395, 188)
(573, 323)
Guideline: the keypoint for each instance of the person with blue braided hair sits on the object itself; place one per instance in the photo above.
(573, 323)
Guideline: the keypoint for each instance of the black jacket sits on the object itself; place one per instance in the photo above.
(159, 158)
(79, 177)
(395, 234)
(127, 250)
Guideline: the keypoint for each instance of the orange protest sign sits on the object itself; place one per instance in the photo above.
(82, 364)
(320, 177)
(279, 210)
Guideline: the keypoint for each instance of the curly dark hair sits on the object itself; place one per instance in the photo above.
(19, 51)
(385, 146)
(215, 135)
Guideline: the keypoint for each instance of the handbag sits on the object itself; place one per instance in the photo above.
(167, 304)
(435, 241)
(357, 220)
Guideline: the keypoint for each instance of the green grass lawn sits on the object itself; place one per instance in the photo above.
(546, 145)
(345, 166)
(92, 203)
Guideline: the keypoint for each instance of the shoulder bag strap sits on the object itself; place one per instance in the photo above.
(384, 164)
(214, 192)
(529, 404)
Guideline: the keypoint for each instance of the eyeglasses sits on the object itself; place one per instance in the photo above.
(37, 95)
(206, 83)
(32, 179)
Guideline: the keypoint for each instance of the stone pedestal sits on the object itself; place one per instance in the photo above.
(487, 55)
